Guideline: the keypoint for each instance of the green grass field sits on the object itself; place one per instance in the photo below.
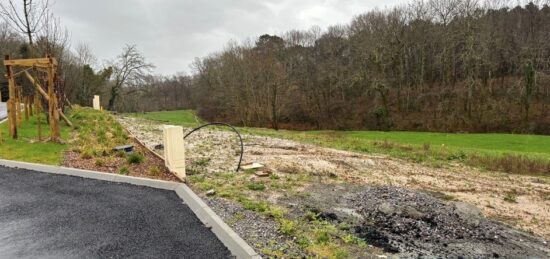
(506, 152)
(180, 117)
(532, 145)
(27, 148)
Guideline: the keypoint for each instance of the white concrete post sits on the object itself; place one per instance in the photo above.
(97, 105)
(174, 150)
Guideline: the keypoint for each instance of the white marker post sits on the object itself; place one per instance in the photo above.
(97, 105)
(174, 150)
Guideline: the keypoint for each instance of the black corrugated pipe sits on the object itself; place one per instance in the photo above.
(222, 124)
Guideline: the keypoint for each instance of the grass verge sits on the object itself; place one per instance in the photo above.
(179, 117)
(28, 148)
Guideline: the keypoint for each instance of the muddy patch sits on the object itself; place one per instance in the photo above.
(413, 224)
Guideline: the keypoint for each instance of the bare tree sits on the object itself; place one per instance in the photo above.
(84, 55)
(129, 69)
(27, 18)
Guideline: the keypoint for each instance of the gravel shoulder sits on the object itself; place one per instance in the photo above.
(522, 202)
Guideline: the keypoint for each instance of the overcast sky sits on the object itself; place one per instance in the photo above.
(171, 33)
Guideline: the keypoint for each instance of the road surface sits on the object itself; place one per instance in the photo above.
(3, 111)
(55, 216)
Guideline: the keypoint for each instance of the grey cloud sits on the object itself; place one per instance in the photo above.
(172, 33)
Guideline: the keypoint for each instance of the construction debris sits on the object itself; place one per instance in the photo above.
(124, 148)
(250, 166)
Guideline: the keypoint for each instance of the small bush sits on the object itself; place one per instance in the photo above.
(322, 237)
(287, 227)
(460, 155)
(135, 158)
(260, 206)
(154, 170)
(256, 186)
(86, 154)
(99, 162)
(123, 170)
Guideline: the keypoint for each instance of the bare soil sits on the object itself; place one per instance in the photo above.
(522, 202)
(112, 164)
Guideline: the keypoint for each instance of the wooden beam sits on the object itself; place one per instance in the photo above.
(38, 62)
(37, 86)
(65, 118)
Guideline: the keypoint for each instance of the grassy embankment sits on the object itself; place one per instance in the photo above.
(94, 135)
(513, 153)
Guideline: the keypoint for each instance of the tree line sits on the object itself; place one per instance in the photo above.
(432, 65)
(435, 65)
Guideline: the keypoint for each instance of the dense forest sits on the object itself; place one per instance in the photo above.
(435, 65)
(439, 65)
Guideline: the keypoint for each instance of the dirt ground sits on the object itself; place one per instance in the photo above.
(112, 164)
(520, 201)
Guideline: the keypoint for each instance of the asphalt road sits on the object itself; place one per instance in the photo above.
(54, 216)
(3, 111)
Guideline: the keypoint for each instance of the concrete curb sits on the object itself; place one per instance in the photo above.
(225, 234)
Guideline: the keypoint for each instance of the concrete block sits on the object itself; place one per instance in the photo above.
(97, 103)
(174, 150)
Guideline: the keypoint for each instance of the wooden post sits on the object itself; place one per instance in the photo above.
(37, 110)
(18, 105)
(52, 105)
(31, 103)
(12, 120)
(27, 105)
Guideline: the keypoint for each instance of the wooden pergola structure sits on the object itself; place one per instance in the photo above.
(47, 65)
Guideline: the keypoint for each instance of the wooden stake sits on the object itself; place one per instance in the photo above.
(31, 103)
(52, 105)
(18, 106)
(12, 119)
(37, 110)
(26, 105)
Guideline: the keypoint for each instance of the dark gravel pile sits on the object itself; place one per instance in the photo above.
(262, 233)
(416, 224)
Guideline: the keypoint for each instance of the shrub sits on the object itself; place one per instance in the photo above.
(123, 170)
(287, 227)
(87, 154)
(99, 162)
(256, 186)
(135, 158)
(154, 170)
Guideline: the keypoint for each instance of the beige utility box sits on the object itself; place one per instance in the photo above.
(174, 150)
(97, 104)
